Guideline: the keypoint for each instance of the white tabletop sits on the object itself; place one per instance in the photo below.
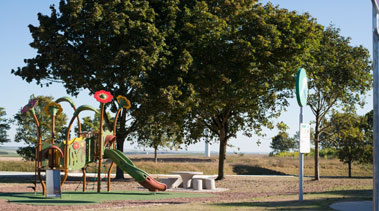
(186, 172)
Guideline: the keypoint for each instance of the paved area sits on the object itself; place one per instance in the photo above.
(352, 206)
(197, 191)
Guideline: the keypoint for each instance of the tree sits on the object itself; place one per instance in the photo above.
(367, 127)
(242, 60)
(4, 126)
(95, 45)
(26, 130)
(93, 124)
(155, 135)
(346, 135)
(339, 75)
(89, 124)
(157, 52)
(282, 143)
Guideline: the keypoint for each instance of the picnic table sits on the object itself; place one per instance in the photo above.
(187, 177)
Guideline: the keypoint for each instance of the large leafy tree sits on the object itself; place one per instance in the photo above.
(95, 45)
(224, 65)
(4, 126)
(346, 133)
(26, 129)
(339, 75)
(242, 59)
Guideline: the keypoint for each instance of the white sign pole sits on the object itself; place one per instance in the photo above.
(301, 95)
(301, 157)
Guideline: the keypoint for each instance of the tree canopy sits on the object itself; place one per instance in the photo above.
(340, 74)
(26, 129)
(346, 132)
(223, 65)
(242, 60)
(96, 45)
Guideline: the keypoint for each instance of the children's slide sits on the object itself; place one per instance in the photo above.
(128, 166)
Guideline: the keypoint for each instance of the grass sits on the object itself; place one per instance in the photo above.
(235, 165)
(23, 166)
(83, 198)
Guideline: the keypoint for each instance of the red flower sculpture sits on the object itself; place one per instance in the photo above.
(75, 146)
(103, 96)
(29, 106)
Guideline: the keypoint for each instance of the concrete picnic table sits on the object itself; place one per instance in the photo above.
(187, 177)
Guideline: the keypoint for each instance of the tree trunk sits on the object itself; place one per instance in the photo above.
(121, 134)
(120, 146)
(156, 154)
(222, 154)
(317, 172)
(317, 141)
(349, 164)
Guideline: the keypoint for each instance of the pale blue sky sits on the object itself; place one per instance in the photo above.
(351, 16)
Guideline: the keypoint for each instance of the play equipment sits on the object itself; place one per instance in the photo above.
(87, 147)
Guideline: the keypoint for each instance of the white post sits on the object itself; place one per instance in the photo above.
(207, 148)
(301, 158)
(376, 109)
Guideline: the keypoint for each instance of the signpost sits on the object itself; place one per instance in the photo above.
(301, 96)
(375, 12)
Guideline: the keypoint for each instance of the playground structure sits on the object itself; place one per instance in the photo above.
(86, 148)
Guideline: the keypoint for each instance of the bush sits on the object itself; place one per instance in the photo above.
(324, 153)
(328, 153)
(287, 154)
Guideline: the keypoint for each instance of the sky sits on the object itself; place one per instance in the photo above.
(351, 16)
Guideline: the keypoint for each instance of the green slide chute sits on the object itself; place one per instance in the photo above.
(128, 166)
(125, 164)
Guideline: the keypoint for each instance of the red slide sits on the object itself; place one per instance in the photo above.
(152, 185)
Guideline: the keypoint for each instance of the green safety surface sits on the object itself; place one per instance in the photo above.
(91, 197)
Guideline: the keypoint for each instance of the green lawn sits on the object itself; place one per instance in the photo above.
(91, 197)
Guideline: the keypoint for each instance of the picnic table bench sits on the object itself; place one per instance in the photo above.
(187, 177)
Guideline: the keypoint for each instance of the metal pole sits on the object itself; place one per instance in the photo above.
(301, 158)
(376, 110)
(100, 148)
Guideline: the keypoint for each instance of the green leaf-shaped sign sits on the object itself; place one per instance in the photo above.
(301, 87)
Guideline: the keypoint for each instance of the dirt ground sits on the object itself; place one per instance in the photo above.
(240, 188)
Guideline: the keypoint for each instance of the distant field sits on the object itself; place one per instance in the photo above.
(235, 165)
(8, 152)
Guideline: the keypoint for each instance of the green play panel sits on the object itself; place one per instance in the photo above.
(81, 198)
